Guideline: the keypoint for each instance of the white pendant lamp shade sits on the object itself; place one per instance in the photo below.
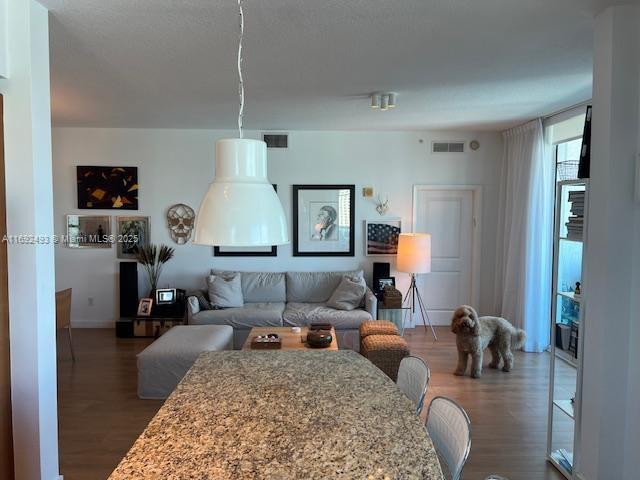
(241, 207)
(414, 253)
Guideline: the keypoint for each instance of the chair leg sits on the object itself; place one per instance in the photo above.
(73, 357)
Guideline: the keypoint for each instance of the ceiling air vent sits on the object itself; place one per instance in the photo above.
(276, 140)
(447, 147)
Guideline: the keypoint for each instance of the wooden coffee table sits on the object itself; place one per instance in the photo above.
(290, 340)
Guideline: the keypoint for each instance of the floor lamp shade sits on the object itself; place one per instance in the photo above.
(414, 253)
(241, 207)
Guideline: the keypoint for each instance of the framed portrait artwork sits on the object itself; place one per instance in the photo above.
(271, 251)
(89, 231)
(133, 232)
(381, 237)
(107, 187)
(323, 220)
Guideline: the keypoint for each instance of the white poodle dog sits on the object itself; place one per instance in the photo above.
(474, 334)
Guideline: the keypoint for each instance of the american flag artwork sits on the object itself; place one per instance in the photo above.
(382, 237)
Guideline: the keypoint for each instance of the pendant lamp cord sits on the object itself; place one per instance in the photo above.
(241, 83)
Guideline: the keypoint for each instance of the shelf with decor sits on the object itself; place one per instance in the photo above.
(566, 324)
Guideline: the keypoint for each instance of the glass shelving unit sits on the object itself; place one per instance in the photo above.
(567, 326)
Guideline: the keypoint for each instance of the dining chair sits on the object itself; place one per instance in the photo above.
(449, 427)
(413, 380)
(63, 315)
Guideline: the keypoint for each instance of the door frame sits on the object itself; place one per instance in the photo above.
(476, 242)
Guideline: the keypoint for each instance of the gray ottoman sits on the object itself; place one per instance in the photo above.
(162, 364)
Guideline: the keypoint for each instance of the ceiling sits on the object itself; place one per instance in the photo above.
(310, 64)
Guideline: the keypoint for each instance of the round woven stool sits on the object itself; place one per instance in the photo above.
(377, 327)
(385, 352)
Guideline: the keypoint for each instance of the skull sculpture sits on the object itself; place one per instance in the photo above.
(180, 219)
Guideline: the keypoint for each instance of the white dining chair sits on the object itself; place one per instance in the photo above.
(450, 430)
(413, 380)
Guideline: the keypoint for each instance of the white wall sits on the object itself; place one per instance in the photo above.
(610, 436)
(4, 36)
(28, 177)
(177, 166)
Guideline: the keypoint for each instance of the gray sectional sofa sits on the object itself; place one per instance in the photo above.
(287, 299)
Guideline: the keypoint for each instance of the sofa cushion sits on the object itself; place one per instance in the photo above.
(298, 314)
(225, 291)
(314, 287)
(251, 315)
(260, 286)
(349, 294)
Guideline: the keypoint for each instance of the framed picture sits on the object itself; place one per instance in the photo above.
(383, 282)
(247, 251)
(89, 231)
(323, 220)
(109, 188)
(144, 307)
(133, 232)
(381, 237)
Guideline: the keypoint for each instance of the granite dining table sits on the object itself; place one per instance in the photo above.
(293, 415)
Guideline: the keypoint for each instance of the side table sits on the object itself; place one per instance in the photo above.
(159, 322)
(394, 315)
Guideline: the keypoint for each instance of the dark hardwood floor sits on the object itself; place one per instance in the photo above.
(100, 414)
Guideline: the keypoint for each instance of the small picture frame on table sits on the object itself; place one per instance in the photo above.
(384, 282)
(144, 307)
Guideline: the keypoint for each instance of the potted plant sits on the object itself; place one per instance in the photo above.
(153, 259)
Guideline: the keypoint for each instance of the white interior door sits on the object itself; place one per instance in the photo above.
(449, 215)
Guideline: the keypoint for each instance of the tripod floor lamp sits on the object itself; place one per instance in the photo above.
(414, 257)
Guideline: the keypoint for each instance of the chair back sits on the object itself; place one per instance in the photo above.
(413, 380)
(450, 430)
(63, 308)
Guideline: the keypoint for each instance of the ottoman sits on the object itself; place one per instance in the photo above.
(385, 352)
(377, 327)
(162, 364)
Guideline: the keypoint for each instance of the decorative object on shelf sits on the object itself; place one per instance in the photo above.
(107, 188)
(382, 207)
(240, 208)
(584, 169)
(89, 231)
(144, 307)
(367, 192)
(133, 233)
(383, 101)
(475, 333)
(381, 237)
(577, 290)
(575, 223)
(180, 220)
(269, 251)
(153, 258)
(414, 257)
(474, 144)
(323, 220)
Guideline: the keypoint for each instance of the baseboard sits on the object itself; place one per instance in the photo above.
(93, 323)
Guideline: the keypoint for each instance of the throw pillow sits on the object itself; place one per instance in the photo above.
(225, 292)
(348, 294)
(203, 301)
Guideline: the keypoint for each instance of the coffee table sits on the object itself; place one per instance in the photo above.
(290, 340)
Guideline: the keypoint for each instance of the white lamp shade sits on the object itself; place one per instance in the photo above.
(241, 208)
(414, 253)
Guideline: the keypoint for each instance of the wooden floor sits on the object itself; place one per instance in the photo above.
(101, 416)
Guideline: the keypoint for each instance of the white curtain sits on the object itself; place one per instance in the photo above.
(525, 234)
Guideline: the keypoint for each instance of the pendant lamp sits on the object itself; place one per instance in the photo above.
(241, 207)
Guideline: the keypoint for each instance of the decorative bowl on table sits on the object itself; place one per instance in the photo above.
(319, 338)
